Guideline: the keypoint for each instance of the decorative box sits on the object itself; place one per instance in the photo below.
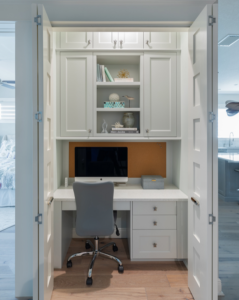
(114, 104)
(150, 182)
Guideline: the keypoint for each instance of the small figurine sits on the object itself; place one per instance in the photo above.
(129, 98)
(104, 127)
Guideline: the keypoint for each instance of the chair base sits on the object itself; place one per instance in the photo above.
(95, 252)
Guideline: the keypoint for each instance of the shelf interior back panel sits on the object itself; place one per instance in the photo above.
(103, 95)
(143, 158)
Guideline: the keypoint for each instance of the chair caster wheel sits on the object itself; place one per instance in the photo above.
(87, 246)
(115, 248)
(121, 269)
(89, 281)
(69, 264)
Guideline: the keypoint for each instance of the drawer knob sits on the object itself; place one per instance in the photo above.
(155, 223)
(155, 245)
(155, 208)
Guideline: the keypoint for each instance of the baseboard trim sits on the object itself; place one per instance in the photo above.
(122, 231)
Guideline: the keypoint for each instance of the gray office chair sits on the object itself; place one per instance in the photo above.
(94, 208)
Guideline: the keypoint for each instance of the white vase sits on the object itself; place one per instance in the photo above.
(128, 120)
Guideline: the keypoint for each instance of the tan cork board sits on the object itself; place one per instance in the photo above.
(143, 158)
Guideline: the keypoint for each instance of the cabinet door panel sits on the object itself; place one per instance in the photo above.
(76, 40)
(154, 222)
(154, 244)
(160, 40)
(154, 208)
(76, 94)
(130, 40)
(105, 40)
(160, 96)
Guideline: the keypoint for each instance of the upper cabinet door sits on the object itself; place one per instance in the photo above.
(105, 40)
(76, 40)
(160, 40)
(160, 94)
(76, 94)
(130, 40)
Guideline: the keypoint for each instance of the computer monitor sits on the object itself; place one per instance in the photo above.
(101, 164)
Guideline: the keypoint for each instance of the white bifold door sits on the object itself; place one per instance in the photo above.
(200, 173)
(45, 155)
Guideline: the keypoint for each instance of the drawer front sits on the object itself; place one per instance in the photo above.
(154, 222)
(154, 244)
(154, 208)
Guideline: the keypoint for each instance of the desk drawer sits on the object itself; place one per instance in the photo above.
(154, 244)
(154, 208)
(154, 222)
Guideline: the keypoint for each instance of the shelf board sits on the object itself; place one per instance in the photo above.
(117, 84)
(121, 138)
(126, 109)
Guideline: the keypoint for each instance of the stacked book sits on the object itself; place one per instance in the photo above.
(103, 74)
(124, 130)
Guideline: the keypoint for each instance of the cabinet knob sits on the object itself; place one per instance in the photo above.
(155, 208)
(88, 43)
(155, 223)
(121, 44)
(155, 245)
(147, 131)
(115, 42)
(89, 130)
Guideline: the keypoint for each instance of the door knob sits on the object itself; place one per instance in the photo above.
(89, 130)
(155, 223)
(155, 245)
(147, 131)
(88, 43)
(155, 208)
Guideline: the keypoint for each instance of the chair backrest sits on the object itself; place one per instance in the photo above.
(94, 208)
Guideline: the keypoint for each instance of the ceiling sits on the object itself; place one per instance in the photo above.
(228, 57)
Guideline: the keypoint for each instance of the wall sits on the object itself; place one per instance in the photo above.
(7, 128)
(24, 169)
(64, 148)
(222, 98)
(107, 10)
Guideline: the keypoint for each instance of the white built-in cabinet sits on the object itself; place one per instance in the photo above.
(76, 40)
(118, 40)
(76, 83)
(160, 94)
(155, 87)
(160, 40)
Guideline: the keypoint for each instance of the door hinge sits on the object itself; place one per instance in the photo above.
(38, 219)
(212, 219)
(212, 116)
(211, 20)
(38, 116)
(37, 19)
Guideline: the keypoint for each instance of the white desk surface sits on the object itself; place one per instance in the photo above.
(130, 192)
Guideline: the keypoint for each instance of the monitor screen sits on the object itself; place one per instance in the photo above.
(101, 162)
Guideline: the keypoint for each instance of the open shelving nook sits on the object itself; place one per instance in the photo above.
(115, 62)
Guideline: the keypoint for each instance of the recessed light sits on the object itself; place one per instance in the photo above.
(229, 40)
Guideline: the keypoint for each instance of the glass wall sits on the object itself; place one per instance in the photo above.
(228, 151)
(7, 160)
